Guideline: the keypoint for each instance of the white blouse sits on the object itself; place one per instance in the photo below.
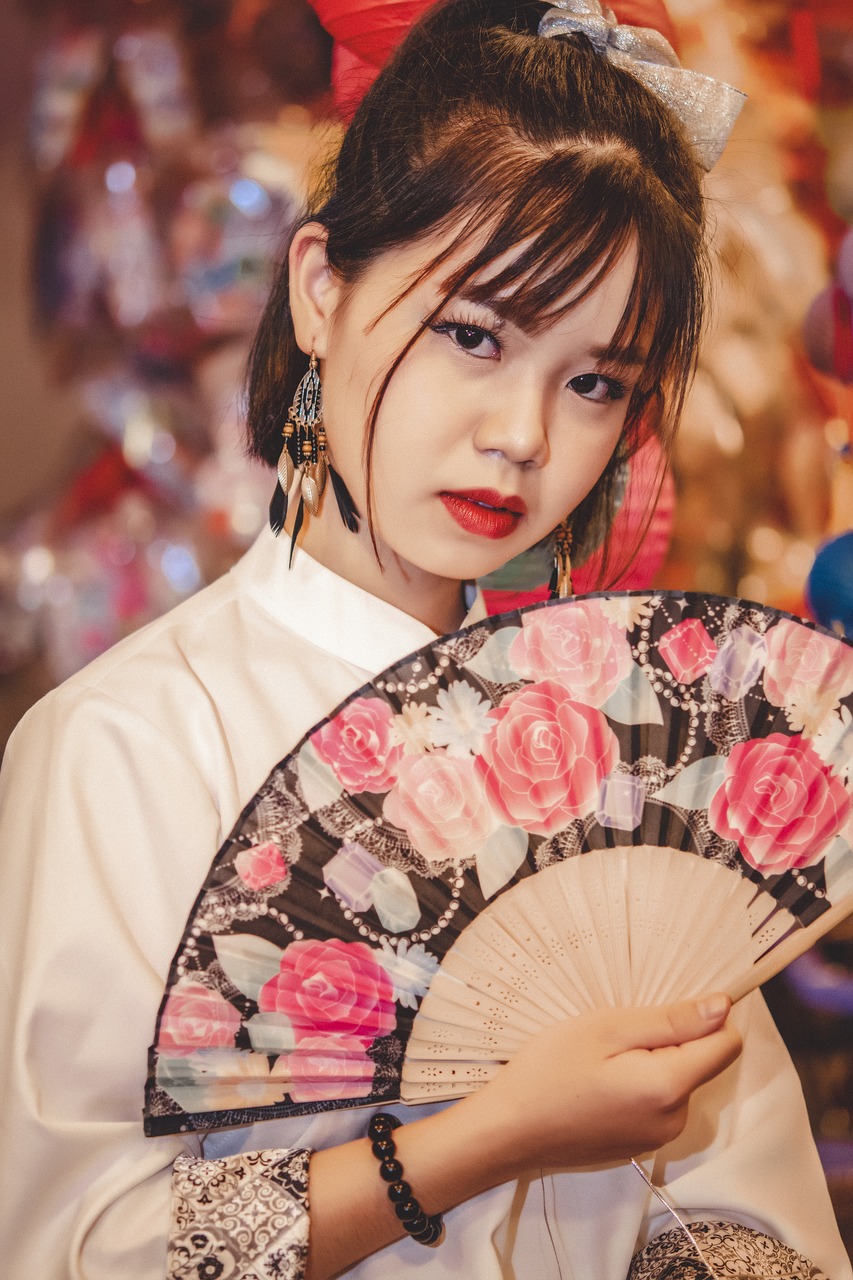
(117, 791)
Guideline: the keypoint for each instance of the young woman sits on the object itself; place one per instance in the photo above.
(500, 289)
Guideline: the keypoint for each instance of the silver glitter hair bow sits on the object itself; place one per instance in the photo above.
(706, 108)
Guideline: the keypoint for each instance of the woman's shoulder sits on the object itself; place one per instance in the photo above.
(159, 654)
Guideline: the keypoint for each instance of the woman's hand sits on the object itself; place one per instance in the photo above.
(603, 1086)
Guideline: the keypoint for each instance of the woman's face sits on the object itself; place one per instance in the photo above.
(488, 435)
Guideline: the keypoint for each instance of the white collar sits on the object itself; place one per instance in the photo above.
(330, 612)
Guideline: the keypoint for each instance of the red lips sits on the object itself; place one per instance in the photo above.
(484, 512)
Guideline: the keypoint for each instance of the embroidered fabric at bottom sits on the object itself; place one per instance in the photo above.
(735, 1252)
(244, 1217)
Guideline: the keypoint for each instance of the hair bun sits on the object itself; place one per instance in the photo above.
(366, 33)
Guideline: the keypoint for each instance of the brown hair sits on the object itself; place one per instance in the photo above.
(525, 143)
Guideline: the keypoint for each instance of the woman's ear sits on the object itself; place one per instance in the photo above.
(314, 289)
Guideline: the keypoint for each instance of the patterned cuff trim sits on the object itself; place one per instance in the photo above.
(735, 1253)
(241, 1218)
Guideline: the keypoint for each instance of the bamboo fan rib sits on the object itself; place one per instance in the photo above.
(632, 926)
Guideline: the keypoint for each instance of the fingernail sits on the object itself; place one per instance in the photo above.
(714, 1007)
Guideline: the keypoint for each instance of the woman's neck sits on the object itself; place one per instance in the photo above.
(439, 603)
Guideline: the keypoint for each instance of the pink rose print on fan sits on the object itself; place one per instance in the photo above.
(331, 988)
(261, 866)
(324, 1067)
(441, 804)
(576, 645)
(779, 803)
(544, 761)
(196, 1018)
(359, 747)
(801, 661)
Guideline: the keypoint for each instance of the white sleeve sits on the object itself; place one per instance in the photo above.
(107, 830)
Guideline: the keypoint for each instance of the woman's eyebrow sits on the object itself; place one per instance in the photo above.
(631, 356)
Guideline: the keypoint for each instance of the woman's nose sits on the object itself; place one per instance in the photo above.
(515, 426)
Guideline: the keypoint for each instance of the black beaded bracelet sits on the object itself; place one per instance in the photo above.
(429, 1231)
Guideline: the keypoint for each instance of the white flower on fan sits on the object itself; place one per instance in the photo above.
(627, 612)
(411, 728)
(833, 742)
(810, 707)
(461, 720)
(411, 969)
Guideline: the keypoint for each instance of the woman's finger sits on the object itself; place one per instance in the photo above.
(671, 1024)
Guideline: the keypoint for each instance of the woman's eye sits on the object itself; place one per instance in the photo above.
(594, 386)
(471, 338)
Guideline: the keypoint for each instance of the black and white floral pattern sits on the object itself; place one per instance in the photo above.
(734, 1252)
(241, 1218)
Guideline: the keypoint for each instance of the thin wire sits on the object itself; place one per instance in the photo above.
(682, 1224)
(547, 1223)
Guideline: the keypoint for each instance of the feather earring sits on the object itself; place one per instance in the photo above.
(284, 472)
(297, 526)
(349, 512)
(303, 453)
(303, 450)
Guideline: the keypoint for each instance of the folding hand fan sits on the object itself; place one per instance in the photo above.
(611, 800)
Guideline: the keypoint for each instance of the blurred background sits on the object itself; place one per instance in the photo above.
(154, 153)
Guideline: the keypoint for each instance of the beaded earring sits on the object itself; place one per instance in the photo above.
(303, 449)
(303, 452)
(560, 584)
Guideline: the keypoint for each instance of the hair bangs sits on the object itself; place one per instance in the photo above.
(559, 228)
(558, 231)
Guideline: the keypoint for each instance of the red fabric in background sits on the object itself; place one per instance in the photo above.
(371, 29)
(804, 43)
